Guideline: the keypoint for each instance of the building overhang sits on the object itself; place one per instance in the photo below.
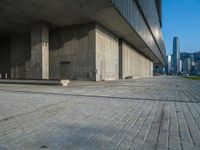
(16, 17)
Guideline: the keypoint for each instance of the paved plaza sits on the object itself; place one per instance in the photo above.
(148, 113)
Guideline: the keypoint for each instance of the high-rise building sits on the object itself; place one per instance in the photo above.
(186, 65)
(168, 67)
(80, 39)
(181, 66)
(176, 55)
(197, 65)
(194, 59)
(191, 58)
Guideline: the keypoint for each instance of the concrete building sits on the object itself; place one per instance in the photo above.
(176, 55)
(80, 39)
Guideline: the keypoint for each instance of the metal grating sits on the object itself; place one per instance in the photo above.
(150, 31)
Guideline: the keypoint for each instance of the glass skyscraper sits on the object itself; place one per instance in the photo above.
(176, 55)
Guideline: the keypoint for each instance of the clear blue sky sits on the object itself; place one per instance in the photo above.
(182, 18)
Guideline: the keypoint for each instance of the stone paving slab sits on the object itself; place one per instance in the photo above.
(149, 113)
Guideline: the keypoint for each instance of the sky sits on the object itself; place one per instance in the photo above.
(182, 18)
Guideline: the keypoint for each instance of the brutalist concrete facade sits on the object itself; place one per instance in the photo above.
(80, 39)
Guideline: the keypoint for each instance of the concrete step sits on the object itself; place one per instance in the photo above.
(36, 82)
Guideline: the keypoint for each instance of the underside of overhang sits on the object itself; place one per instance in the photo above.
(16, 17)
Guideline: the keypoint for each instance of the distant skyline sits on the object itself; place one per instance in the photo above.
(182, 18)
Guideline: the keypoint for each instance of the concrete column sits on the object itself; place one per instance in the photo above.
(120, 60)
(40, 50)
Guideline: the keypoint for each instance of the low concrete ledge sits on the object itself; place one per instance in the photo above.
(36, 82)
(65, 82)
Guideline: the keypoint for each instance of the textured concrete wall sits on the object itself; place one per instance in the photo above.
(74, 48)
(40, 50)
(151, 68)
(5, 57)
(20, 56)
(133, 63)
(86, 51)
(107, 55)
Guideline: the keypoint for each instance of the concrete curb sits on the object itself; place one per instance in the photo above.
(36, 82)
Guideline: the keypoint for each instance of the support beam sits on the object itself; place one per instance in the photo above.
(40, 50)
